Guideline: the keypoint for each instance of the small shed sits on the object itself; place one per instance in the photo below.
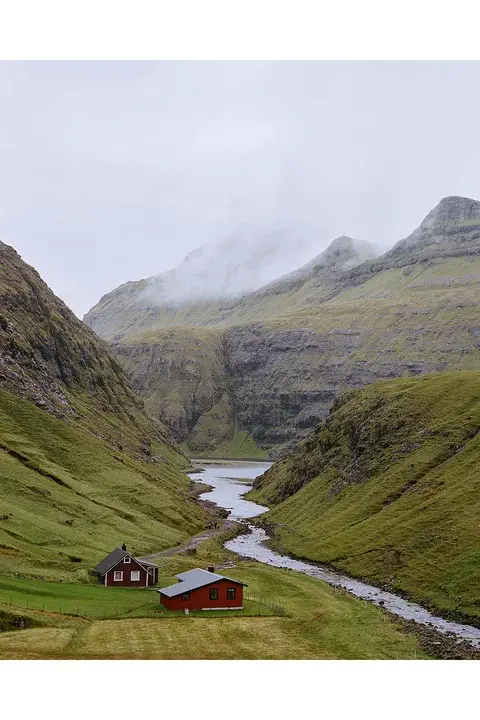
(203, 590)
(121, 569)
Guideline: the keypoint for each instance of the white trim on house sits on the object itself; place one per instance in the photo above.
(118, 579)
(127, 559)
(137, 573)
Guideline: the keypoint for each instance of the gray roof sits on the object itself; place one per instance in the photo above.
(193, 579)
(114, 558)
(111, 560)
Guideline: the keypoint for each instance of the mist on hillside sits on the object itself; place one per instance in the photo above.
(244, 261)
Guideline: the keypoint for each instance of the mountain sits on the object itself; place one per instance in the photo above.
(387, 489)
(82, 465)
(210, 281)
(284, 352)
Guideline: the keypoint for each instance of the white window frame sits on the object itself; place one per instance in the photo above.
(134, 572)
(127, 559)
(117, 575)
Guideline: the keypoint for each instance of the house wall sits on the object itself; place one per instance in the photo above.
(200, 598)
(126, 582)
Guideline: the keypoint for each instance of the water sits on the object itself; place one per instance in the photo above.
(227, 493)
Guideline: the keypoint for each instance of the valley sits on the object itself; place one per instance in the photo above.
(271, 363)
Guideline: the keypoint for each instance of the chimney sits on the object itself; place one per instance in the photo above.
(124, 547)
(211, 569)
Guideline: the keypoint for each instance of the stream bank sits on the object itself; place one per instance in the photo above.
(229, 486)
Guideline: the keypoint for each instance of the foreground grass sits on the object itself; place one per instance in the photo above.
(321, 623)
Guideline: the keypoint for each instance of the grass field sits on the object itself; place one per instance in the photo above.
(320, 622)
(96, 601)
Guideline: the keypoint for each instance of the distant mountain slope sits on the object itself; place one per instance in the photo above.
(206, 287)
(387, 488)
(338, 322)
(82, 466)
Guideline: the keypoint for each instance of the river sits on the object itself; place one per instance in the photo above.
(230, 481)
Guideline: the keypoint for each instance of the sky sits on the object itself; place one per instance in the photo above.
(115, 171)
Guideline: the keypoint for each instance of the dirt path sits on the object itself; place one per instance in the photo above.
(194, 542)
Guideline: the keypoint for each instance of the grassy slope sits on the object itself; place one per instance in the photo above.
(83, 467)
(321, 622)
(388, 489)
(67, 493)
(240, 447)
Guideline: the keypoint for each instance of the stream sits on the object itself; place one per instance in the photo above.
(231, 480)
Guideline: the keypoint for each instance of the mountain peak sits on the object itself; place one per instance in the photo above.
(453, 209)
(453, 223)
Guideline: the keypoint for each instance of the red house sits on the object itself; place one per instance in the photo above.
(203, 590)
(121, 569)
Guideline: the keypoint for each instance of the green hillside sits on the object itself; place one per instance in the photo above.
(67, 498)
(387, 488)
(83, 467)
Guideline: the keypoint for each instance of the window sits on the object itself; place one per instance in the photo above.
(213, 594)
(186, 596)
(231, 593)
(127, 559)
(135, 575)
(117, 575)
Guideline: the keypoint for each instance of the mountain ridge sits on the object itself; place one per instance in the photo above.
(292, 346)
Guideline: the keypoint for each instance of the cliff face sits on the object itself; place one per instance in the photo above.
(181, 374)
(339, 322)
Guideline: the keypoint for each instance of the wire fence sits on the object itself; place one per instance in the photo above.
(153, 611)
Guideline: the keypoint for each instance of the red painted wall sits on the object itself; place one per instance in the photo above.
(126, 582)
(200, 598)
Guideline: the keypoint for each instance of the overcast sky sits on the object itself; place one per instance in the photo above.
(114, 171)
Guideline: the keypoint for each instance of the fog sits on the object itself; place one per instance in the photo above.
(116, 171)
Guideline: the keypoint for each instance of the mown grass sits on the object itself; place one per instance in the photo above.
(322, 623)
(96, 601)
(388, 489)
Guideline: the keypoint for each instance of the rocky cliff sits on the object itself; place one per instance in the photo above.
(339, 322)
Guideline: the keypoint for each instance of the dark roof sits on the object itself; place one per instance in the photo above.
(193, 579)
(111, 560)
(114, 558)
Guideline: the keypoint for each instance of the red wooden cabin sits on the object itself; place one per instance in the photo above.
(121, 569)
(203, 590)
